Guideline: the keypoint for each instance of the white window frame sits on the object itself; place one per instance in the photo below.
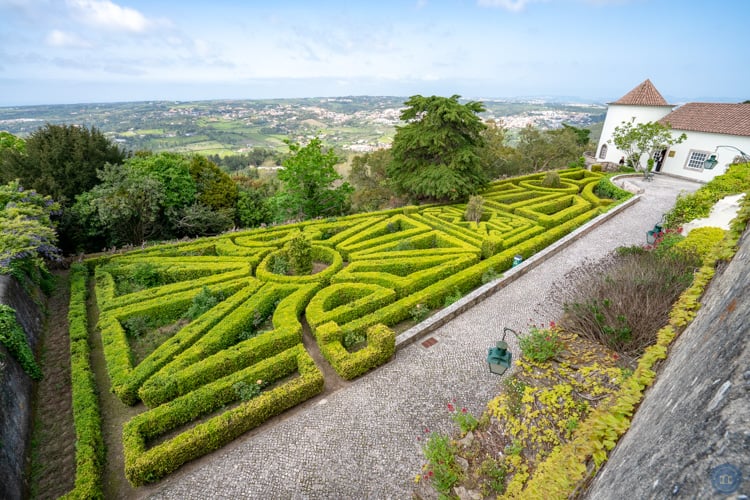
(695, 159)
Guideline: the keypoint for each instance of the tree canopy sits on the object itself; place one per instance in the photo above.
(60, 160)
(435, 154)
(638, 139)
(307, 183)
(370, 181)
(547, 149)
(156, 196)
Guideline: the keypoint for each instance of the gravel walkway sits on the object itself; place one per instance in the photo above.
(364, 440)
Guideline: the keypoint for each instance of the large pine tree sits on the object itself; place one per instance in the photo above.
(435, 155)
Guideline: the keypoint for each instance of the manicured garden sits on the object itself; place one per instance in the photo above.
(207, 333)
(574, 390)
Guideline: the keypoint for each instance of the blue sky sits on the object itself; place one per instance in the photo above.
(73, 51)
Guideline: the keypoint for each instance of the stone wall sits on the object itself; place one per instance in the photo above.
(16, 393)
(690, 438)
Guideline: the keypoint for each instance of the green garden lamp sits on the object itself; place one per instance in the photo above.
(712, 161)
(499, 358)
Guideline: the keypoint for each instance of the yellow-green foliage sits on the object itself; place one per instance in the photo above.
(86, 418)
(566, 467)
(701, 240)
(143, 465)
(381, 344)
(370, 271)
(555, 398)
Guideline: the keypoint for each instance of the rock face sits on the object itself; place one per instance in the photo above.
(691, 436)
(15, 393)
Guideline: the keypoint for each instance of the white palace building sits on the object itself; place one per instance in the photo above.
(718, 132)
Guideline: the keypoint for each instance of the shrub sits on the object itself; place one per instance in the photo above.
(280, 263)
(605, 189)
(419, 312)
(453, 297)
(551, 180)
(596, 167)
(701, 241)
(299, 251)
(145, 275)
(14, 339)
(622, 300)
(86, 417)
(443, 470)
(541, 344)
(205, 300)
(490, 275)
(474, 209)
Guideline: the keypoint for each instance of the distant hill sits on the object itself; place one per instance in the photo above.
(351, 124)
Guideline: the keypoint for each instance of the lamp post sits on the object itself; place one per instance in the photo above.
(711, 161)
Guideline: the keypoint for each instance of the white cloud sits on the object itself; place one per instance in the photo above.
(511, 5)
(57, 38)
(106, 14)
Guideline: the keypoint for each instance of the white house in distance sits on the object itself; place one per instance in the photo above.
(718, 129)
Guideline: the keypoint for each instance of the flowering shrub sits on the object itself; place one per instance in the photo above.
(28, 231)
(441, 469)
(541, 344)
(465, 420)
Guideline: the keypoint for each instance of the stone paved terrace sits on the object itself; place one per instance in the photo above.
(361, 441)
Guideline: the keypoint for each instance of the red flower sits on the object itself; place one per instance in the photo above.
(463, 410)
(552, 324)
(450, 407)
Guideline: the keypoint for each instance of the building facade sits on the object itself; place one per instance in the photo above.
(718, 131)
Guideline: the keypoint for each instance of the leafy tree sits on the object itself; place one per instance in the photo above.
(496, 155)
(201, 220)
(60, 160)
(9, 141)
(369, 178)
(307, 183)
(124, 208)
(28, 231)
(173, 171)
(435, 154)
(638, 139)
(214, 188)
(253, 204)
(583, 135)
(539, 150)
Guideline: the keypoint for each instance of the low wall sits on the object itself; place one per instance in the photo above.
(16, 393)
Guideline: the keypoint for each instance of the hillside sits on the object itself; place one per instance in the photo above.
(356, 124)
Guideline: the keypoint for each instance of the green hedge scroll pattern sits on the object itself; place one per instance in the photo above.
(372, 270)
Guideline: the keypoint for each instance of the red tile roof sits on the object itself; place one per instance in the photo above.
(712, 117)
(644, 94)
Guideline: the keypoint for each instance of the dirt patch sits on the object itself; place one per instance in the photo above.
(53, 439)
(114, 412)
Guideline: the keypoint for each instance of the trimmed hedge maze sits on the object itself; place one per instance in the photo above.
(208, 333)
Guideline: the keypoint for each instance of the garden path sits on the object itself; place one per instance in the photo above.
(364, 440)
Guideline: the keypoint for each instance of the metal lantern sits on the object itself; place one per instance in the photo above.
(499, 358)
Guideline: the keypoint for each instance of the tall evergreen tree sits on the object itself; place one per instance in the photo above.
(436, 153)
(61, 160)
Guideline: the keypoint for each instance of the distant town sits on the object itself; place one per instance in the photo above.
(350, 124)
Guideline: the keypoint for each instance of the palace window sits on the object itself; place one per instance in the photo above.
(696, 158)
(603, 152)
